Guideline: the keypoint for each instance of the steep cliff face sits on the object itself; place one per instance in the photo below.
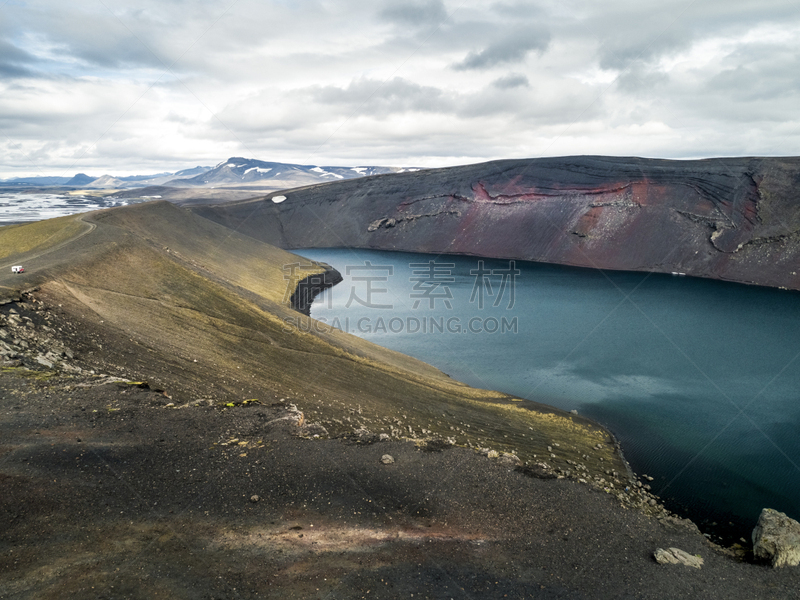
(735, 219)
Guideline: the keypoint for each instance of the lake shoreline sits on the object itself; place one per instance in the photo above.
(310, 288)
(687, 499)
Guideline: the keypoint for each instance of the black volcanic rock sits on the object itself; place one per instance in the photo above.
(735, 219)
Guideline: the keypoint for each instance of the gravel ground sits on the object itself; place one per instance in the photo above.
(108, 492)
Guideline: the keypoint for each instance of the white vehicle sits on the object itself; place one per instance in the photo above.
(18, 269)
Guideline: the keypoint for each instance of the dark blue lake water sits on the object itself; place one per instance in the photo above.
(699, 380)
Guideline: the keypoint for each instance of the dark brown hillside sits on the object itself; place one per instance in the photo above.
(736, 219)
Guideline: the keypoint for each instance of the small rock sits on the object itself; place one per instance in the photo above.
(384, 437)
(676, 556)
(364, 435)
(573, 412)
(387, 459)
(510, 460)
(776, 538)
(313, 430)
(44, 362)
(375, 225)
(254, 498)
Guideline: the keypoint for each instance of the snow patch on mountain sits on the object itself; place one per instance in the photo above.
(258, 170)
(323, 172)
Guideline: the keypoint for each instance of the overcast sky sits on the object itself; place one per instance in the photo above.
(102, 86)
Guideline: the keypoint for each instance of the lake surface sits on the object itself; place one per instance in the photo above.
(699, 380)
(19, 207)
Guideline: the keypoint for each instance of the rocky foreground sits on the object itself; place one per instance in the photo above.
(111, 489)
(168, 430)
(735, 219)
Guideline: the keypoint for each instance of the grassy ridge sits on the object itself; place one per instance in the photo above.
(19, 239)
(202, 311)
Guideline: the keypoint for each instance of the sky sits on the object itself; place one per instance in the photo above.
(136, 87)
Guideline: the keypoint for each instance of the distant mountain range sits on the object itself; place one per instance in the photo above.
(238, 171)
(234, 172)
(106, 181)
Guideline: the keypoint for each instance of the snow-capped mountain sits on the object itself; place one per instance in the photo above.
(248, 171)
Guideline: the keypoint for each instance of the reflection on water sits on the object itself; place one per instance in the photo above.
(17, 207)
(700, 380)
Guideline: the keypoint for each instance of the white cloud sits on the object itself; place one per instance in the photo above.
(149, 86)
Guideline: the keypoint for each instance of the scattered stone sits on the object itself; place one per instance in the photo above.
(313, 430)
(676, 556)
(436, 444)
(776, 538)
(254, 498)
(387, 459)
(509, 460)
(44, 362)
(375, 225)
(365, 436)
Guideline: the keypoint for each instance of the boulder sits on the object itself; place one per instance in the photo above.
(676, 556)
(776, 538)
(387, 459)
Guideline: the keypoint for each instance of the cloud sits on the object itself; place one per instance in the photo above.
(14, 62)
(511, 81)
(426, 82)
(644, 46)
(371, 97)
(415, 14)
(510, 49)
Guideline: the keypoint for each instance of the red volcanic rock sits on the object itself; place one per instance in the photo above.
(736, 219)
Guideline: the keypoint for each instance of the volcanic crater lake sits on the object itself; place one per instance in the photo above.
(698, 379)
